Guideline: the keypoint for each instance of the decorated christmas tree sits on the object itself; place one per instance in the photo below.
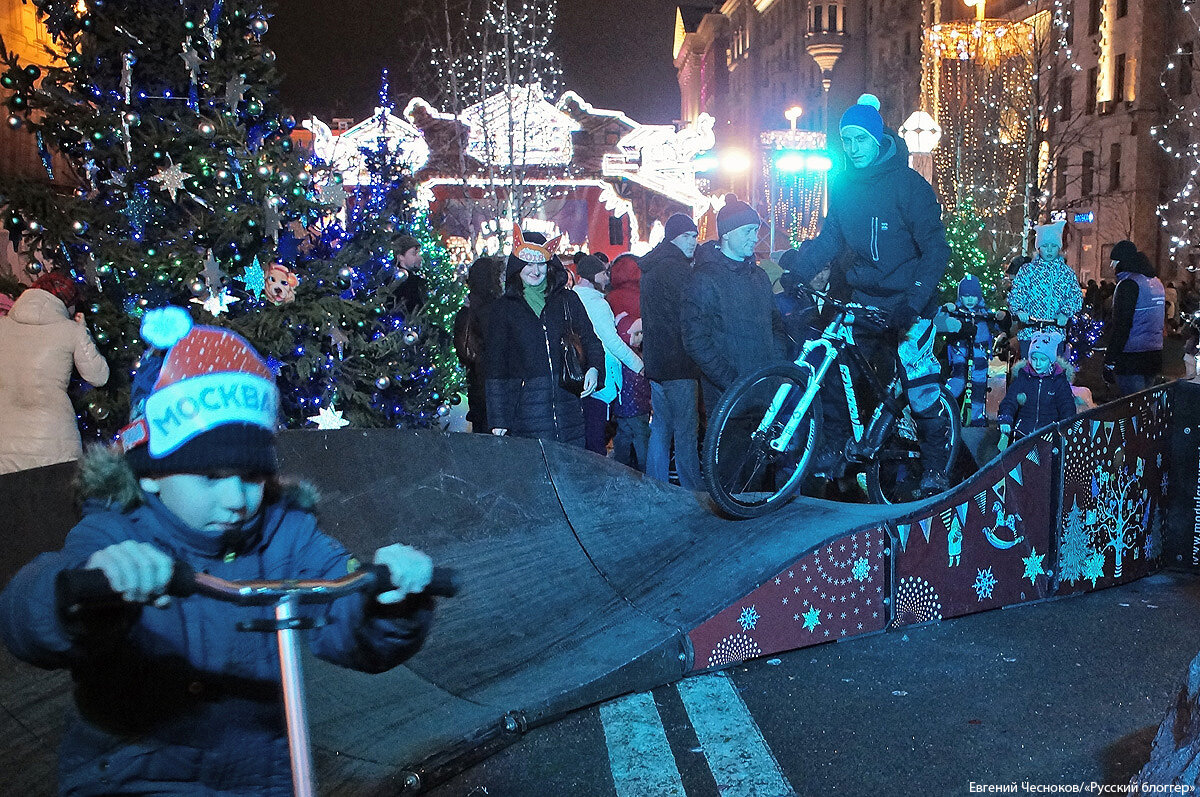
(189, 193)
(963, 227)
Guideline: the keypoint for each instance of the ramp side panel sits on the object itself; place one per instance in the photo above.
(533, 619)
(667, 552)
(835, 592)
(1115, 483)
(986, 544)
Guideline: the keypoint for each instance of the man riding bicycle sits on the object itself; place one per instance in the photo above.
(884, 237)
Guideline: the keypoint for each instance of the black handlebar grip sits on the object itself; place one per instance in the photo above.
(443, 583)
(89, 588)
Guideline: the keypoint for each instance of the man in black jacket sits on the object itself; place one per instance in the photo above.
(886, 221)
(731, 324)
(666, 277)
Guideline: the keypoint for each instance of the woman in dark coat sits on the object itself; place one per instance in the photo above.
(523, 357)
(470, 338)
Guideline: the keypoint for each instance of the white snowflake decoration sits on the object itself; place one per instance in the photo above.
(748, 619)
(862, 569)
(217, 302)
(329, 418)
(985, 582)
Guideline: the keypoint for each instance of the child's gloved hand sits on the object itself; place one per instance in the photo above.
(411, 571)
(1005, 436)
(137, 570)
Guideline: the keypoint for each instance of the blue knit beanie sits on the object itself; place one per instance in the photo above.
(970, 287)
(865, 116)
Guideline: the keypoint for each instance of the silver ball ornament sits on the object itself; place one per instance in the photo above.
(443, 410)
(259, 27)
(206, 128)
(410, 336)
(132, 118)
(80, 227)
(382, 382)
(15, 122)
(197, 287)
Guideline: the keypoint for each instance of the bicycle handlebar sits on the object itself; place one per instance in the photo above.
(872, 314)
(90, 587)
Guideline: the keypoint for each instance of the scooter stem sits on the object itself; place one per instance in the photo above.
(292, 676)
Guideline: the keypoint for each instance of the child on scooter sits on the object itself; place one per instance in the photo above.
(169, 696)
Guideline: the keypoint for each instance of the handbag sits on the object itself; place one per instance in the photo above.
(570, 378)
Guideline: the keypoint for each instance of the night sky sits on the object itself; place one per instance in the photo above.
(615, 53)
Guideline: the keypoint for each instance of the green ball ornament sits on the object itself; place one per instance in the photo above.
(254, 107)
(297, 190)
(189, 25)
(8, 81)
(74, 60)
(101, 336)
(19, 101)
(32, 72)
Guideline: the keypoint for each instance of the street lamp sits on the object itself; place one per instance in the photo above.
(792, 114)
(921, 134)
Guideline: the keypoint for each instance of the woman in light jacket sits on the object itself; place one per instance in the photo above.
(41, 339)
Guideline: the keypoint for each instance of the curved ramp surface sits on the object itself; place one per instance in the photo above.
(579, 580)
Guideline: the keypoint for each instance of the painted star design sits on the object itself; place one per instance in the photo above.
(329, 418)
(171, 179)
(212, 272)
(1033, 565)
(812, 618)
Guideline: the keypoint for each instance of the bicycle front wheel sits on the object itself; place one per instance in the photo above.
(894, 475)
(746, 475)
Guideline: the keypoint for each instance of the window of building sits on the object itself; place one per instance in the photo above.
(1119, 79)
(1060, 176)
(1122, 8)
(1114, 167)
(1093, 88)
(818, 19)
(1087, 175)
(833, 19)
(1095, 8)
(1064, 99)
(1186, 65)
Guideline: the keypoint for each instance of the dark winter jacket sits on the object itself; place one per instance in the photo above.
(731, 324)
(666, 277)
(1034, 401)
(1138, 317)
(470, 343)
(178, 697)
(524, 360)
(889, 219)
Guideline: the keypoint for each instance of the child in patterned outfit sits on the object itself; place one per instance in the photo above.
(632, 407)
(1046, 287)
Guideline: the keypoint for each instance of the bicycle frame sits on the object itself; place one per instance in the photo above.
(838, 338)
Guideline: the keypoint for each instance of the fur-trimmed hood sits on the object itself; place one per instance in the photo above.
(105, 478)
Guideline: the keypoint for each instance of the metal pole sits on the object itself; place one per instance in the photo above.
(291, 671)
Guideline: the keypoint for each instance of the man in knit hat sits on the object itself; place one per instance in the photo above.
(170, 694)
(666, 277)
(885, 238)
(730, 322)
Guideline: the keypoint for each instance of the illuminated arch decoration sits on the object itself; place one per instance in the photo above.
(540, 133)
(345, 152)
(976, 83)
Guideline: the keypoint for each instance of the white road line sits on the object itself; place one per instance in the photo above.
(638, 752)
(739, 758)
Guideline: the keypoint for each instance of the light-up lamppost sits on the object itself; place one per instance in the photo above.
(921, 133)
(792, 114)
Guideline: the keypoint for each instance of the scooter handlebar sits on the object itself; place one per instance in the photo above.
(89, 588)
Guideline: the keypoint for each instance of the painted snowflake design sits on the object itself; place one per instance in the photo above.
(1034, 565)
(812, 618)
(748, 619)
(985, 582)
(1093, 568)
(862, 569)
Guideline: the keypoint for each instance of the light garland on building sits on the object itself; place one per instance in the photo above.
(1179, 137)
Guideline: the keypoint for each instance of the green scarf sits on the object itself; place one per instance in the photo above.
(535, 297)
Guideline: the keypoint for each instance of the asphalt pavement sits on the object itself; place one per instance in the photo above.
(1066, 691)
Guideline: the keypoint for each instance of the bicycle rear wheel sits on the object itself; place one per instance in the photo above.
(894, 475)
(744, 474)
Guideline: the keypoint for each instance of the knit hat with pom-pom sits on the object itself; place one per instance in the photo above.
(203, 401)
(865, 116)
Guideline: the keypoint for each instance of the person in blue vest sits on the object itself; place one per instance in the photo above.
(1134, 355)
